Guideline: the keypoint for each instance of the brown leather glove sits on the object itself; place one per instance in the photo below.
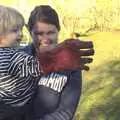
(66, 56)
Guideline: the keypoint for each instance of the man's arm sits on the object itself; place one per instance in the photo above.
(69, 99)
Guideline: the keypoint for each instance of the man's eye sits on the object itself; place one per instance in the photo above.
(42, 33)
(50, 32)
(39, 33)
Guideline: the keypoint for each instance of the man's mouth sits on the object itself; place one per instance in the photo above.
(44, 44)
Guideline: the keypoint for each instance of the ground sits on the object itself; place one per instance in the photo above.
(100, 98)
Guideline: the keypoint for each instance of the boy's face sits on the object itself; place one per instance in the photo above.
(13, 37)
(44, 34)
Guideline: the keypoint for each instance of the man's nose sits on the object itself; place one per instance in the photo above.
(45, 37)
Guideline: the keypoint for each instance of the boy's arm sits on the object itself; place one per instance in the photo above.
(24, 65)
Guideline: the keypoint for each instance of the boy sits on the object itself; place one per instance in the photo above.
(18, 69)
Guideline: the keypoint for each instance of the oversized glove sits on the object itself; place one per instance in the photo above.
(66, 56)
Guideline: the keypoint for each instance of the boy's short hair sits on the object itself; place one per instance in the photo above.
(43, 13)
(10, 19)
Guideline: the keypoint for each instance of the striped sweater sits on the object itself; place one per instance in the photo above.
(17, 85)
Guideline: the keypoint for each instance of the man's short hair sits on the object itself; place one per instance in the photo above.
(10, 19)
(43, 13)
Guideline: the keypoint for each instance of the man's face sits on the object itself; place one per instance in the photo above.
(44, 35)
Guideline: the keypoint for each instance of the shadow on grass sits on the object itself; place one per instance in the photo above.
(101, 96)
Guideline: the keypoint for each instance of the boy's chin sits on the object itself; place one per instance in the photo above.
(17, 44)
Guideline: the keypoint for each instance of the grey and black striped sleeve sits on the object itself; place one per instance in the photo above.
(24, 65)
(69, 99)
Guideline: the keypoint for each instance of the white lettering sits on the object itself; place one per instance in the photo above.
(54, 81)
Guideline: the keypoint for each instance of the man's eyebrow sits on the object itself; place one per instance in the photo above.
(37, 32)
(51, 31)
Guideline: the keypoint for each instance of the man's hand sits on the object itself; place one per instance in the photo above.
(69, 55)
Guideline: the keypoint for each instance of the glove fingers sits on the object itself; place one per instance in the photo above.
(86, 52)
(85, 60)
(77, 44)
(84, 67)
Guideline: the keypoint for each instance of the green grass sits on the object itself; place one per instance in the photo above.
(100, 98)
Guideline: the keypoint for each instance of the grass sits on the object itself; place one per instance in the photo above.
(100, 98)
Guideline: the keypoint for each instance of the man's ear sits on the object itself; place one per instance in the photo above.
(26, 25)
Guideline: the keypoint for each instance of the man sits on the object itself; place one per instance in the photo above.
(18, 70)
(58, 93)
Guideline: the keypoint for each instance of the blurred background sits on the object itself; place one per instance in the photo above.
(99, 21)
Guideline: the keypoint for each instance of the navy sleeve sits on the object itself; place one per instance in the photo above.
(69, 99)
